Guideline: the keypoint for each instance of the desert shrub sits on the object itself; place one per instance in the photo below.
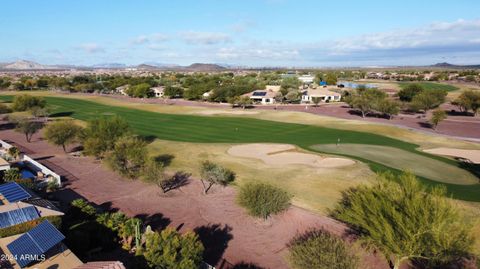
(262, 200)
(4, 109)
(102, 133)
(212, 173)
(321, 250)
(62, 133)
(408, 92)
(26, 102)
(128, 156)
(170, 249)
(428, 99)
(407, 221)
(27, 226)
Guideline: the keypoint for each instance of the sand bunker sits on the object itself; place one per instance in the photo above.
(472, 155)
(283, 154)
(233, 112)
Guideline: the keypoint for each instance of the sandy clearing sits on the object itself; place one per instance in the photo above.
(217, 112)
(283, 154)
(470, 154)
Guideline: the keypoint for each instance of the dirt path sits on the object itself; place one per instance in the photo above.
(226, 230)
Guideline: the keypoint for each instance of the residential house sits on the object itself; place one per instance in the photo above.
(158, 92)
(41, 248)
(205, 95)
(263, 97)
(325, 95)
(122, 89)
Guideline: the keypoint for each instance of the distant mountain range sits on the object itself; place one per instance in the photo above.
(199, 67)
(453, 66)
(29, 65)
(25, 65)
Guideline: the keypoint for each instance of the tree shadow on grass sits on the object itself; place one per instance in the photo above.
(215, 239)
(61, 114)
(148, 138)
(473, 168)
(164, 159)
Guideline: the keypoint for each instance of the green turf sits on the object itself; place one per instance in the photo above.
(214, 129)
(403, 160)
(430, 85)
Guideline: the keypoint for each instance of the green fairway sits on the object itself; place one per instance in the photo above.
(430, 86)
(403, 160)
(202, 129)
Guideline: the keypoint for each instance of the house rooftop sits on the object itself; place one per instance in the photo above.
(262, 94)
(57, 255)
(321, 92)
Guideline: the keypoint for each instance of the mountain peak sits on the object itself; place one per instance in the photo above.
(26, 65)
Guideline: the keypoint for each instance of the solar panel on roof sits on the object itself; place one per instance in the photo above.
(259, 93)
(13, 192)
(29, 246)
(18, 216)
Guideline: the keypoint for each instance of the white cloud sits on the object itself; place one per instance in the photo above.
(440, 34)
(151, 38)
(205, 38)
(91, 48)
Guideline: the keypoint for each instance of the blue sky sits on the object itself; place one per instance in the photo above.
(247, 32)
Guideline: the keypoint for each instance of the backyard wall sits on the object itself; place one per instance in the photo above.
(43, 169)
(38, 166)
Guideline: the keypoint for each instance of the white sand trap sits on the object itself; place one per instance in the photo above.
(283, 154)
(470, 154)
(233, 112)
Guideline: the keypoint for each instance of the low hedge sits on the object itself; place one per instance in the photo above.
(27, 226)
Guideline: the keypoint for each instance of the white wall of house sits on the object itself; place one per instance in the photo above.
(268, 101)
(158, 92)
(47, 172)
(309, 98)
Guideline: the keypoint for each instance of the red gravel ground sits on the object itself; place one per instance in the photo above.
(456, 125)
(226, 230)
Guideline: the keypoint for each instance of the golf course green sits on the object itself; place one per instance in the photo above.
(430, 85)
(216, 129)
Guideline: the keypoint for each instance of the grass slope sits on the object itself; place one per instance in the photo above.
(200, 129)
